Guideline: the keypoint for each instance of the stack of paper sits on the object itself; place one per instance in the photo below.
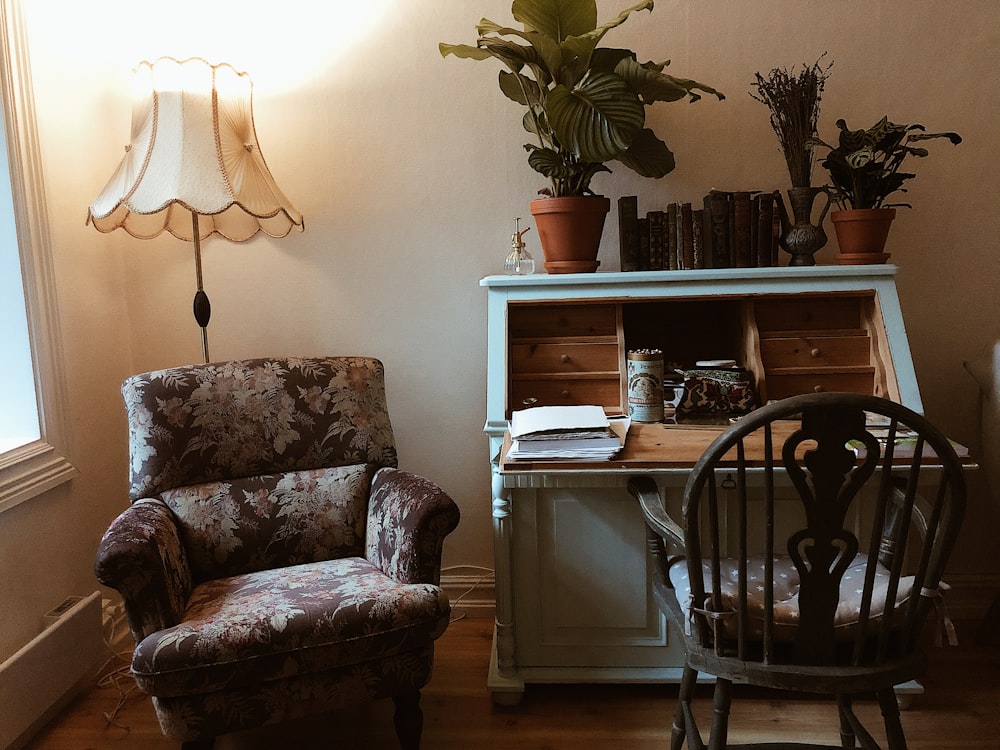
(566, 432)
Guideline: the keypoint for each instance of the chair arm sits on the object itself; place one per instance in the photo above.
(644, 490)
(141, 556)
(408, 519)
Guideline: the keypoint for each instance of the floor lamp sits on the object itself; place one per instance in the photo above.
(193, 165)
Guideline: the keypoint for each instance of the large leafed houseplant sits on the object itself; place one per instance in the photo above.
(585, 105)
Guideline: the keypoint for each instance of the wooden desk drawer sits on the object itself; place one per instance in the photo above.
(808, 313)
(566, 392)
(812, 351)
(564, 358)
(548, 321)
(783, 386)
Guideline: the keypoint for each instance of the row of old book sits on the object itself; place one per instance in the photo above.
(731, 229)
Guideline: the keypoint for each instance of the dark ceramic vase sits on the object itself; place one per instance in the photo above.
(800, 237)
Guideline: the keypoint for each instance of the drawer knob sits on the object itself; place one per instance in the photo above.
(565, 358)
(815, 352)
(565, 393)
(818, 389)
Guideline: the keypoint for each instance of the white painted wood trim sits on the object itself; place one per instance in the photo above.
(38, 467)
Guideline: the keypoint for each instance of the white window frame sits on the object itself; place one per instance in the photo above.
(39, 466)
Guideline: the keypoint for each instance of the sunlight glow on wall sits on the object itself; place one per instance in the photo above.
(279, 44)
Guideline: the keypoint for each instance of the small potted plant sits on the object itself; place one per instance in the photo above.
(793, 99)
(865, 169)
(585, 105)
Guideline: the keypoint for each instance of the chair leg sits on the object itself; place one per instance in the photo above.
(684, 725)
(845, 710)
(719, 737)
(409, 720)
(890, 714)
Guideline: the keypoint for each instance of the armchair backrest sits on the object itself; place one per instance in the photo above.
(264, 462)
(842, 568)
(227, 420)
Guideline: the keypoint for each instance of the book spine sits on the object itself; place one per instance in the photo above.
(775, 230)
(686, 237)
(765, 224)
(656, 228)
(628, 232)
(671, 263)
(643, 244)
(718, 205)
(698, 237)
(741, 229)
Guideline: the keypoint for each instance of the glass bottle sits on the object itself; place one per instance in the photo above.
(519, 261)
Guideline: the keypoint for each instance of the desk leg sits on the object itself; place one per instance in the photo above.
(503, 679)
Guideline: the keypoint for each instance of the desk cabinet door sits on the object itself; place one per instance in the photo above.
(582, 584)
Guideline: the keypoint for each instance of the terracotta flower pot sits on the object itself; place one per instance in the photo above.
(569, 230)
(862, 233)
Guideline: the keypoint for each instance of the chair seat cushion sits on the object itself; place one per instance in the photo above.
(786, 594)
(274, 624)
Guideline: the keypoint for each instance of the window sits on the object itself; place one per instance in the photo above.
(32, 443)
(18, 404)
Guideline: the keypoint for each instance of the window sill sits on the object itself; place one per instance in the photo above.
(30, 470)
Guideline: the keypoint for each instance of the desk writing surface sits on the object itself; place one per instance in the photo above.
(667, 446)
(649, 446)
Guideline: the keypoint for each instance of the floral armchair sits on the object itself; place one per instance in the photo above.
(274, 561)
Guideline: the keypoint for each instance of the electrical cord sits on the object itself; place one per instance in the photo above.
(456, 616)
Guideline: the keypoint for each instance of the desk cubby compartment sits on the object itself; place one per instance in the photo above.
(687, 330)
(564, 355)
(812, 343)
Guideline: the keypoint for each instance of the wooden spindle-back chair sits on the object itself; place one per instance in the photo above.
(815, 532)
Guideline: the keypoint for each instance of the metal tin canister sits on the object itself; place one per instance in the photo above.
(645, 385)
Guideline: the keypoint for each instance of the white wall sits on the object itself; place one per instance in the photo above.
(409, 170)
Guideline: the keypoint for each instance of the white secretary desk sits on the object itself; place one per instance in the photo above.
(573, 598)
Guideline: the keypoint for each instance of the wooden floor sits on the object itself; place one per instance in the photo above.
(960, 709)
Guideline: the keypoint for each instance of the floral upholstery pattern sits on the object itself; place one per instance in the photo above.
(274, 561)
(201, 423)
(256, 523)
(243, 629)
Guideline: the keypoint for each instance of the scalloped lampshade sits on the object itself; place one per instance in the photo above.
(193, 166)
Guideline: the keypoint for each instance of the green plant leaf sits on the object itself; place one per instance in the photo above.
(520, 88)
(550, 163)
(464, 51)
(648, 156)
(597, 119)
(598, 33)
(859, 158)
(556, 19)
(547, 58)
(953, 137)
(654, 86)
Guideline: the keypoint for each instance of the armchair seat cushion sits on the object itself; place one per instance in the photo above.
(274, 624)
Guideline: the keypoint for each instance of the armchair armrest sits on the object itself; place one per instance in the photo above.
(408, 519)
(645, 491)
(142, 557)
